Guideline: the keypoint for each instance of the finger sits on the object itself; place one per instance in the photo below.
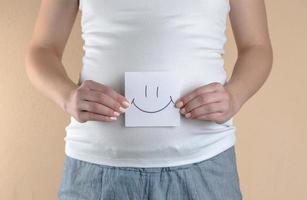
(97, 108)
(209, 97)
(102, 98)
(207, 109)
(109, 91)
(212, 87)
(89, 116)
(216, 117)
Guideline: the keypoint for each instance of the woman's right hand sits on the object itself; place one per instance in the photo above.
(95, 101)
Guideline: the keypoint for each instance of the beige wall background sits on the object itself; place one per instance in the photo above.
(271, 127)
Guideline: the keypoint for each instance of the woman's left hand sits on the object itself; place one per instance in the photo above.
(211, 102)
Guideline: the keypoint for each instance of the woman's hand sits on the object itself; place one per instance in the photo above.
(211, 102)
(95, 101)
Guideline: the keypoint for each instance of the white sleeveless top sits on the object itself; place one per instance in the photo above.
(186, 36)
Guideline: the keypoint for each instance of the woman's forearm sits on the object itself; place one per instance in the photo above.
(250, 72)
(47, 73)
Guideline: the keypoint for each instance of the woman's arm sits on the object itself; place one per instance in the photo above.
(217, 102)
(44, 53)
(89, 101)
(255, 56)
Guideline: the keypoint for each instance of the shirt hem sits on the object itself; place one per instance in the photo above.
(210, 151)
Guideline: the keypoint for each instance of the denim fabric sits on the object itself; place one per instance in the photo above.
(215, 178)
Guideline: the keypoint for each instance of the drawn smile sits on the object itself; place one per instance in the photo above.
(146, 111)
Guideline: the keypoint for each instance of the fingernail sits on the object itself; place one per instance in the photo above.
(116, 113)
(188, 115)
(126, 104)
(113, 118)
(122, 109)
(179, 104)
(182, 110)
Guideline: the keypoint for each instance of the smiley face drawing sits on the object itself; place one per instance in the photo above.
(153, 111)
(152, 96)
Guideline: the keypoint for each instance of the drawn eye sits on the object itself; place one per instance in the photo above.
(145, 90)
(157, 91)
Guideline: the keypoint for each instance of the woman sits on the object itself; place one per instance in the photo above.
(106, 160)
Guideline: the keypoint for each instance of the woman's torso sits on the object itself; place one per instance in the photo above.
(184, 36)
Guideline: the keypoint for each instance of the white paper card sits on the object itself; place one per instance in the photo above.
(152, 97)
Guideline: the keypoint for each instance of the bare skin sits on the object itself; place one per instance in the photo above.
(89, 101)
(99, 102)
(217, 102)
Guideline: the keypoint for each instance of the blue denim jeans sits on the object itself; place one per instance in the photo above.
(215, 178)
